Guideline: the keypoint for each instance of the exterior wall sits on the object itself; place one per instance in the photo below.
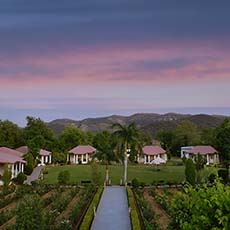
(46, 159)
(184, 151)
(149, 158)
(77, 159)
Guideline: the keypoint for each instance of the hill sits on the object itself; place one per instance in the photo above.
(149, 122)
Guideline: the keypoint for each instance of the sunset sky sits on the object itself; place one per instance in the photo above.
(80, 58)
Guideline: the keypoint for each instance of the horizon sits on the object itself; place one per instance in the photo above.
(87, 58)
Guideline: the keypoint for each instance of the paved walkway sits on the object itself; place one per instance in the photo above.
(34, 175)
(112, 212)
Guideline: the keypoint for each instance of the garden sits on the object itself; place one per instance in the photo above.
(44, 206)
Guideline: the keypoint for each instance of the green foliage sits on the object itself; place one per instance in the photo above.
(200, 162)
(6, 177)
(202, 208)
(224, 175)
(21, 177)
(166, 138)
(64, 177)
(88, 218)
(103, 143)
(223, 141)
(38, 135)
(71, 137)
(11, 135)
(30, 164)
(96, 175)
(58, 157)
(135, 183)
(136, 225)
(190, 172)
(29, 213)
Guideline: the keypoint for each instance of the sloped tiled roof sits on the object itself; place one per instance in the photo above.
(83, 149)
(203, 150)
(153, 150)
(10, 156)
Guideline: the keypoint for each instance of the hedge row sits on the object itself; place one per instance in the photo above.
(87, 221)
(136, 225)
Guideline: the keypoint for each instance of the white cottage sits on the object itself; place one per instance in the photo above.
(81, 154)
(153, 155)
(14, 160)
(207, 151)
(45, 156)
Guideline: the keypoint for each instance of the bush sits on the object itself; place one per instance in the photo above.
(223, 174)
(190, 172)
(87, 221)
(135, 183)
(21, 177)
(28, 169)
(136, 225)
(64, 177)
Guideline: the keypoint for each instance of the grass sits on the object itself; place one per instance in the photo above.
(143, 173)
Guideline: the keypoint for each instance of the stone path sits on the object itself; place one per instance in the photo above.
(113, 211)
(34, 175)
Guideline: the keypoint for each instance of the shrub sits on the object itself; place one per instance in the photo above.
(29, 213)
(64, 177)
(21, 177)
(223, 174)
(86, 223)
(28, 169)
(6, 177)
(135, 183)
(190, 172)
(134, 213)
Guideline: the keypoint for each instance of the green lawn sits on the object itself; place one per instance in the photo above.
(143, 173)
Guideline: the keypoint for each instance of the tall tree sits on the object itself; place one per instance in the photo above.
(126, 136)
(102, 142)
(38, 135)
(11, 135)
(71, 137)
(223, 141)
(186, 134)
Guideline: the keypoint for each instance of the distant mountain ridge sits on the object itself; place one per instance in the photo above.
(149, 122)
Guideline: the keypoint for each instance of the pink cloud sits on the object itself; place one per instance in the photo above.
(101, 65)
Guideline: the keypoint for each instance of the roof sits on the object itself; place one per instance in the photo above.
(23, 149)
(153, 150)
(203, 150)
(10, 156)
(11, 151)
(83, 149)
(44, 152)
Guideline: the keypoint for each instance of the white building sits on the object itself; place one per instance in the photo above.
(44, 156)
(207, 151)
(13, 159)
(153, 155)
(81, 154)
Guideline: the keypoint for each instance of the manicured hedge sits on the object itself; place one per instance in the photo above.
(136, 225)
(87, 221)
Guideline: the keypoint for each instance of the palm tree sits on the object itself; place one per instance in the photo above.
(126, 136)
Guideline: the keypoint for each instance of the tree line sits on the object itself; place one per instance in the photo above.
(37, 135)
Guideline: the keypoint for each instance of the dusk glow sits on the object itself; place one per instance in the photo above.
(78, 59)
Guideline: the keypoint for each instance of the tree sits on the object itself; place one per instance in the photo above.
(6, 177)
(223, 141)
(126, 136)
(186, 134)
(200, 162)
(29, 214)
(102, 142)
(11, 135)
(166, 138)
(96, 176)
(38, 135)
(71, 137)
(190, 171)
(58, 158)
